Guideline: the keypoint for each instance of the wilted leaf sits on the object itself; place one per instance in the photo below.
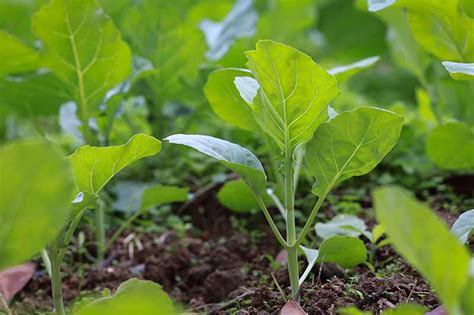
(292, 308)
(294, 92)
(132, 297)
(13, 279)
(35, 197)
(351, 144)
(235, 157)
(345, 251)
(451, 146)
(464, 225)
(432, 250)
(93, 167)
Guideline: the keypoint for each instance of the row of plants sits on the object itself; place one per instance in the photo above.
(85, 72)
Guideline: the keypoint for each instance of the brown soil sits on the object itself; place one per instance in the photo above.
(221, 270)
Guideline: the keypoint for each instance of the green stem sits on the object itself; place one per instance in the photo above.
(124, 225)
(70, 233)
(273, 226)
(100, 231)
(46, 261)
(56, 278)
(312, 216)
(292, 251)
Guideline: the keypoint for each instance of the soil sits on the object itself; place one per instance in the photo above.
(219, 268)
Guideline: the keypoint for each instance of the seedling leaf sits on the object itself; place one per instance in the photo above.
(294, 92)
(351, 144)
(346, 251)
(132, 297)
(460, 71)
(341, 225)
(344, 73)
(93, 167)
(235, 157)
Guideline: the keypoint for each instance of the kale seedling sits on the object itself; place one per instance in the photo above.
(287, 94)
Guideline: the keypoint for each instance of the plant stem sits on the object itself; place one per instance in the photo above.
(56, 278)
(312, 216)
(46, 261)
(273, 226)
(292, 251)
(100, 230)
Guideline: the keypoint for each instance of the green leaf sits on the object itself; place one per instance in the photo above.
(467, 300)
(83, 47)
(225, 98)
(294, 92)
(406, 309)
(460, 71)
(133, 297)
(451, 146)
(376, 5)
(352, 311)
(158, 195)
(235, 157)
(464, 225)
(239, 22)
(425, 248)
(351, 144)
(35, 197)
(237, 196)
(93, 167)
(36, 94)
(341, 225)
(344, 73)
(346, 251)
(16, 57)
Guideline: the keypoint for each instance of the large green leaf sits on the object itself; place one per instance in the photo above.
(15, 56)
(451, 146)
(93, 167)
(441, 27)
(35, 94)
(133, 297)
(35, 194)
(226, 100)
(351, 144)
(235, 157)
(294, 92)
(83, 47)
(346, 251)
(425, 241)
